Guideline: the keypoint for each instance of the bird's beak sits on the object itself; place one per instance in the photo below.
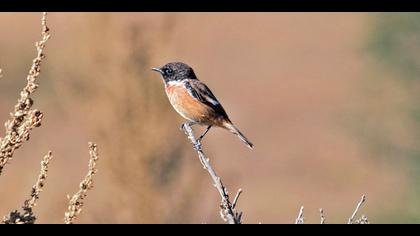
(158, 70)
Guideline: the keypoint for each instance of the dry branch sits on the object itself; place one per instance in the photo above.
(18, 128)
(27, 217)
(364, 219)
(300, 219)
(76, 202)
(23, 119)
(37, 188)
(321, 214)
(227, 211)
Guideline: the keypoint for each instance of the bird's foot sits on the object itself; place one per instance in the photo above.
(197, 145)
(183, 125)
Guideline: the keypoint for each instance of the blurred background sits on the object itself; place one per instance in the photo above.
(330, 100)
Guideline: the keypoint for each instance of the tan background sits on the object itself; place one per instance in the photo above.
(301, 86)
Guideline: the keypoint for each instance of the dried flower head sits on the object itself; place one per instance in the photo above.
(76, 202)
(23, 119)
(27, 217)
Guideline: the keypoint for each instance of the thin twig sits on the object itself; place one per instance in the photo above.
(300, 219)
(76, 202)
(27, 217)
(235, 200)
(321, 213)
(362, 200)
(227, 212)
(23, 118)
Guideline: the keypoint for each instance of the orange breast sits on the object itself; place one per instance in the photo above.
(187, 106)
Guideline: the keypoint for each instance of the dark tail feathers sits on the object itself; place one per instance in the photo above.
(236, 131)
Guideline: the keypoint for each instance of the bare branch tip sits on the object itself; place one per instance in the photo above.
(356, 210)
(300, 219)
(235, 200)
(321, 212)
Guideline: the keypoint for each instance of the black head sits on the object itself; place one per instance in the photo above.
(176, 71)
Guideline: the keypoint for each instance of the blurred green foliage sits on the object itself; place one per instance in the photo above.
(395, 44)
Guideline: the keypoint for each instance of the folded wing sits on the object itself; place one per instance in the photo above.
(202, 93)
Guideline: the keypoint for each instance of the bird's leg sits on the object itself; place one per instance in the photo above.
(205, 132)
(189, 123)
(197, 144)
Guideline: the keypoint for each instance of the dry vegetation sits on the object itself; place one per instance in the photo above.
(362, 220)
(147, 166)
(18, 129)
(228, 209)
(27, 217)
(76, 202)
(120, 102)
(24, 119)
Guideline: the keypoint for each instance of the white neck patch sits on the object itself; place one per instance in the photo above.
(175, 83)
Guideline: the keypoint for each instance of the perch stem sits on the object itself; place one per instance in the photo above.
(227, 208)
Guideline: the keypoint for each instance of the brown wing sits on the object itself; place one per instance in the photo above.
(202, 93)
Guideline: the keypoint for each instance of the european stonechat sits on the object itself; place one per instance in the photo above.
(194, 101)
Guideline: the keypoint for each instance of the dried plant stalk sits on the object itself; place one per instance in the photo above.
(37, 188)
(76, 202)
(27, 217)
(227, 211)
(363, 219)
(321, 214)
(300, 219)
(24, 119)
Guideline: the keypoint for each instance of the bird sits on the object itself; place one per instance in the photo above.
(194, 101)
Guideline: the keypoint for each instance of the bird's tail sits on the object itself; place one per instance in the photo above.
(229, 126)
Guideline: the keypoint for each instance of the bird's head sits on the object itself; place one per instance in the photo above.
(176, 71)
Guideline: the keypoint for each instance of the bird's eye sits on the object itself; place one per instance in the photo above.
(169, 71)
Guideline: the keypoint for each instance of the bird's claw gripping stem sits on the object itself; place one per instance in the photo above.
(197, 145)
